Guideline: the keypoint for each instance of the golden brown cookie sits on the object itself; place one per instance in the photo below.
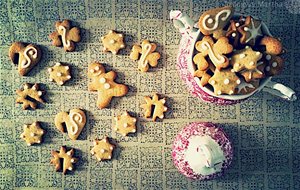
(63, 159)
(146, 55)
(205, 75)
(113, 42)
(32, 133)
(29, 96)
(250, 31)
(215, 51)
(213, 21)
(256, 73)
(65, 35)
(105, 85)
(272, 45)
(154, 106)
(74, 121)
(247, 87)
(125, 124)
(59, 73)
(245, 59)
(233, 34)
(25, 56)
(224, 81)
(102, 149)
(275, 64)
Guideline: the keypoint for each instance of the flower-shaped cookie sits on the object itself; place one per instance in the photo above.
(59, 73)
(125, 124)
(102, 149)
(113, 42)
(32, 133)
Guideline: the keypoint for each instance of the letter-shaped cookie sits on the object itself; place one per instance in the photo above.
(148, 56)
(65, 35)
(213, 21)
(215, 51)
(67, 159)
(74, 121)
(25, 56)
(105, 85)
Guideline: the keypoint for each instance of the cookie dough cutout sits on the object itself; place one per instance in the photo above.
(32, 133)
(25, 56)
(29, 96)
(105, 84)
(59, 73)
(146, 55)
(102, 149)
(74, 121)
(224, 82)
(125, 124)
(63, 160)
(65, 35)
(154, 107)
(113, 42)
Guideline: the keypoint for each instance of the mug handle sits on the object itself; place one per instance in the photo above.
(280, 90)
(182, 22)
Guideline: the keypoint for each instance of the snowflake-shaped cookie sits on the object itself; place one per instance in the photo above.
(29, 96)
(32, 133)
(154, 103)
(63, 158)
(59, 73)
(102, 149)
(125, 124)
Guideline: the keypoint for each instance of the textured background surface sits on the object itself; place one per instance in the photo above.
(265, 130)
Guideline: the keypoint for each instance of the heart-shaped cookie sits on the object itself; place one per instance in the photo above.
(25, 56)
(74, 121)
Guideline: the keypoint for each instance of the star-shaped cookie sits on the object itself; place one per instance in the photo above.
(125, 124)
(32, 133)
(102, 149)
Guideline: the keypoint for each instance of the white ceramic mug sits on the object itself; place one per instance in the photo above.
(188, 29)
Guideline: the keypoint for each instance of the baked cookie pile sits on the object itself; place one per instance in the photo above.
(73, 121)
(234, 54)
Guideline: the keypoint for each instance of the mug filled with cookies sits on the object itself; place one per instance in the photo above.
(227, 57)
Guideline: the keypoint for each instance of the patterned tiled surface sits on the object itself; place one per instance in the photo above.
(265, 130)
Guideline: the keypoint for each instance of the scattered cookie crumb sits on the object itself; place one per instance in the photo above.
(59, 73)
(125, 124)
(63, 159)
(102, 149)
(32, 133)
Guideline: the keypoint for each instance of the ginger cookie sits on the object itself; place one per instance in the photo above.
(32, 133)
(250, 31)
(125, 124)
(102, 149)
(29, 96)
(158, 106)
(63, 160)
(113, 42)
(59, 73)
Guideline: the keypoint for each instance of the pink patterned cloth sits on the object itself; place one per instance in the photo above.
(186, 76)
(181, 143)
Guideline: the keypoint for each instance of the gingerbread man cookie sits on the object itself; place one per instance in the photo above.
(32, 133)
(105, 85)
(113, 42)
(224, 82)
(59, 73)
(29, 96)
(215, 51)
(125, 124)
(154, 106)
(25, 56)
(63, 159)
(74, 121)
(245, 59)
(213, 21)
(148, 55)
(250, 31)
(102, 149)
(65, 35)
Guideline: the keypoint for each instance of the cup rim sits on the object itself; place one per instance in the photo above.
(192, 68)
